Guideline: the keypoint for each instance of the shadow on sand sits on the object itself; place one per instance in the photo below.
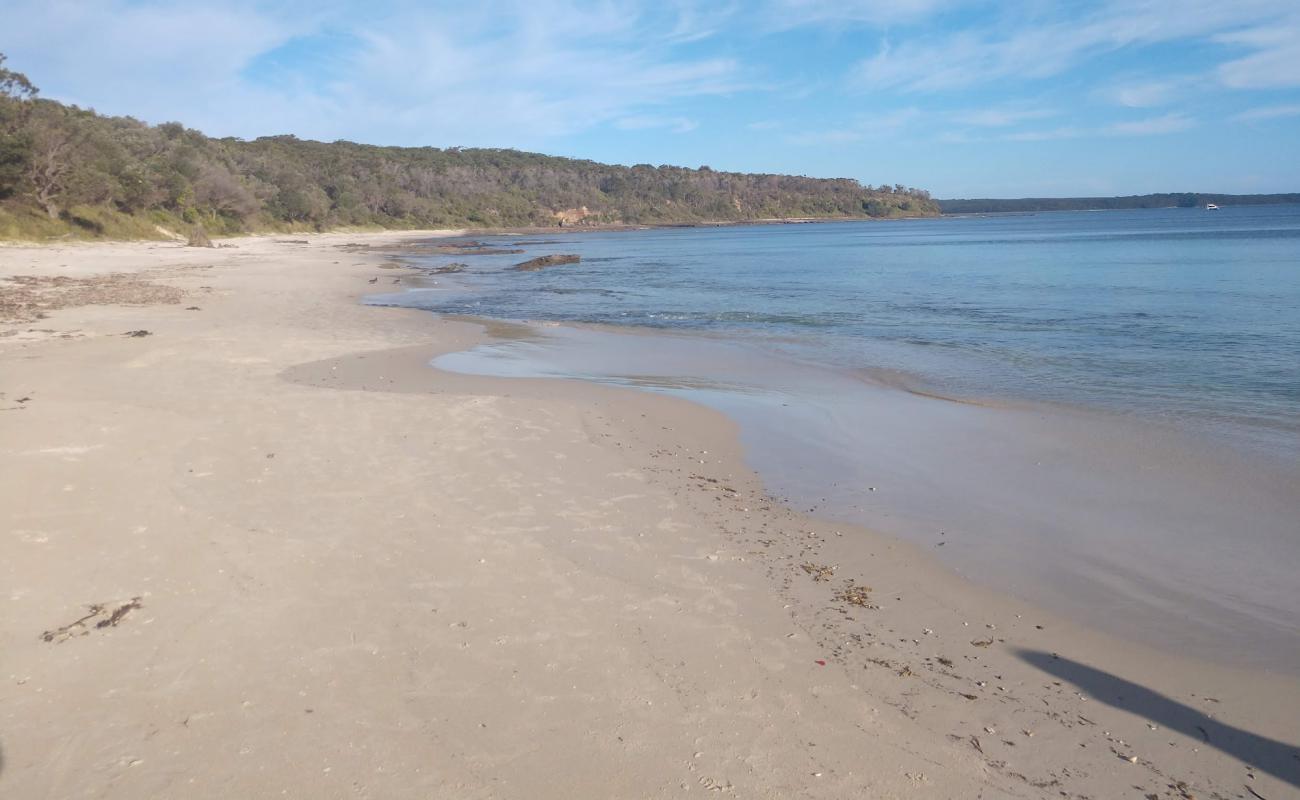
(1279, 759)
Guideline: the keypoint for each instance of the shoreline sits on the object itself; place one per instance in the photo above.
(811, 467)
(1078, 517)
(516, 230)
(599, 584)
(942, 359)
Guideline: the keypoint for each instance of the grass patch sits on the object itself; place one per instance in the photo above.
(83, 223)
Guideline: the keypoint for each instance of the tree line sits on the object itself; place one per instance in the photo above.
(67, 169)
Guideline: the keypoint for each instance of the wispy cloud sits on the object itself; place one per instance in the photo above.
(827, 136)
(1034, 46)
(1064, 132)
(1268, 112)
(499, 72)
(1152, 126)
(552, 71)
(864, 126)
(648, 121)
(800, 13)
(179, 44)
(1144, 93)
(1275, 64)
(1000, 117)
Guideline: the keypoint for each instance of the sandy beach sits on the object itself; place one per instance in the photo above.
(254, 545)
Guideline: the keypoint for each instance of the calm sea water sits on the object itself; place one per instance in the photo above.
(1144, 478)
(1181, 314)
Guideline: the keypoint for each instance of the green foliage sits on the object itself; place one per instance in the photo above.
(14, 85)
(56, 158)
(16, 94)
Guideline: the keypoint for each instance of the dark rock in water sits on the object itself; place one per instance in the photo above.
(546, 261)
(448, 269)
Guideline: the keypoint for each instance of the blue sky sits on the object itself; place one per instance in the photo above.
(962, 98)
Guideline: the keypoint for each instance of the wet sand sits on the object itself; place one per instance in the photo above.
(1123, 525)
(266, 550)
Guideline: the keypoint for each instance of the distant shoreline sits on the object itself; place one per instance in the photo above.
(991, 205)
(162, 235)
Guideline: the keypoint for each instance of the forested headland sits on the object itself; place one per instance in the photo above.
(1167, 200)
(68, 171)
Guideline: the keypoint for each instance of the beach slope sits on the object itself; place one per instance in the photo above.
(253, 545)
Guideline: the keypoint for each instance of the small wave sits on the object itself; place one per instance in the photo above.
(571, 290)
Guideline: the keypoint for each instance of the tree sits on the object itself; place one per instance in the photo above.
(52, 136)
(16, 96)
(15, 85)
(71, 163)
(217, 189)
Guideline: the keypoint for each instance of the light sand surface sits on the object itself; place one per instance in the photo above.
(306, 564)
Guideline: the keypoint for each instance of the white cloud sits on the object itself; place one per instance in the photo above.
(1144, 94)
(864, 126)
(1026, 43)
(1064, 132)
(1268, 112)
(1000, 117)
(648, 121)
(827, 136)
(1152, 126)
(501, 72)
(551, 71)
(797, 13)
(1275, 64)
(166, 49)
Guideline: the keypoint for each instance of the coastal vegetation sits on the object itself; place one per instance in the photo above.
(1167, 200)
(65, 170)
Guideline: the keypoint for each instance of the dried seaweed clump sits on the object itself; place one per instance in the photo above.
(855, 595)
(819, 572)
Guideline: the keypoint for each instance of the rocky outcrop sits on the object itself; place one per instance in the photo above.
(572, 216)
(534, 264)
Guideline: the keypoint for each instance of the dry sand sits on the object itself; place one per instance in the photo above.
(265, 550)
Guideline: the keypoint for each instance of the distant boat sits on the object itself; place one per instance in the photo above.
(1211, 207)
